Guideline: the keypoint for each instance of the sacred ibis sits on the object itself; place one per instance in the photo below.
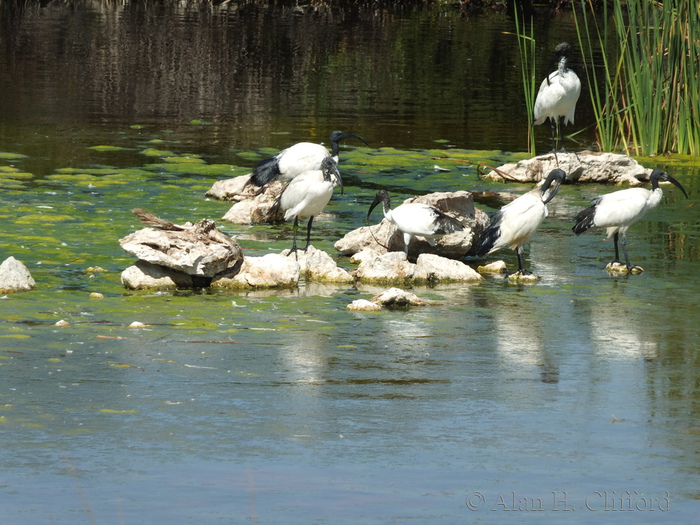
(307, 194)
(515, 223)
(297, 159)
(558, 95)
(414, 219)
(619, 210)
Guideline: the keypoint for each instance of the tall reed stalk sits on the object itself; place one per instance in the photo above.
(526, 49)
(646, 99)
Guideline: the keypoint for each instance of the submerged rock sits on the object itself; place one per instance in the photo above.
(363, 305)
(385, 236)
(15, 277)
(608, 168)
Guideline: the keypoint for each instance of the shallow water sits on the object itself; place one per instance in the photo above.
(573, 397)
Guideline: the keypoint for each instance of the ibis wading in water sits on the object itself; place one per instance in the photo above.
(619, 210)
(515, 223)
(307, 194)
(558, 95)
(298, 159)
(414, 219)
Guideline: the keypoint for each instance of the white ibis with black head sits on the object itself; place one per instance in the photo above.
(619, 210)
(297, 159)
(558, 95)
(307, 194)
(515, 223)
(416, 219)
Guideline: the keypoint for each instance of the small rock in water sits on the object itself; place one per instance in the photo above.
(137, 324)
(62, 323)
(398, 297)
(518, 277)
(96, 295)
(493, 267)
(15, 277)
(363, 305)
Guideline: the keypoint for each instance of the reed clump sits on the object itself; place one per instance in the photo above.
(641, 60)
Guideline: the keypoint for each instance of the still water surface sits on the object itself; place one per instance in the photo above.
(574, 397)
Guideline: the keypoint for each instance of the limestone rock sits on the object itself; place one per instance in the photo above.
(317, 265)
(146, 276)
(393, 267)
(363, 305)
(253, 204)
(430, 267)
(608, 168)
(492, 267)
(269, 271)
(398, 297)
(15, 277)
(389, 267)
(199, 250)
(459, 204)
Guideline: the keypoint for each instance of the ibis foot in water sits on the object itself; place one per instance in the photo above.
(522, 277)
(620, 267)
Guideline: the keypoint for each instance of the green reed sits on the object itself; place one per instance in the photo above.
(526, 49)
(644, 84)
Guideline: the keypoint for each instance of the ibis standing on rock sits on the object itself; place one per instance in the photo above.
(298, 159)
(414, 219)
(619, 210)
(558, 95)
(515, 223)
(307, 194)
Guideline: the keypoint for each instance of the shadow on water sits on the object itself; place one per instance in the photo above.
(283, 406)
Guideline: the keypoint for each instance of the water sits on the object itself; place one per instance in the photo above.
(572, 397)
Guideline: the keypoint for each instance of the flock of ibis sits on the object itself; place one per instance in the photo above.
(311, 173)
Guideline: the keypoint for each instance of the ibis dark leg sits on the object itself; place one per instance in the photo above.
(295, 228)
(617, 252)
(553, 122)
(521, 262)
(561, 135)
(630, 266)
(308, 233)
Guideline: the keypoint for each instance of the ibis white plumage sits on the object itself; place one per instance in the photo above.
(619, 210)
(558, 94)
(307, 194)
(416, 219)
(515, 223)
(298, 159)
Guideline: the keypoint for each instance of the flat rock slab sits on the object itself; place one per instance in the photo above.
(15, 277)
(269, 271)
(146, 276)
(604, 168)
(199, 250)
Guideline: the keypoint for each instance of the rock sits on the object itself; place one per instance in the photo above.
(15, 277)
(430, 267)
(492, 267)
(393, 267)
(582, 167)
(137, 324)
(459, 204)
(96, 295)
(62, 322)
(146, 276)
(317, 265)
(363, 305)
(398, 297)
(270, 271)
(253, 205)
(198, 250)
(518, 277)
(389, 267)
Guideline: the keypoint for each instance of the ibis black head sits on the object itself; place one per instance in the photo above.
(337, 136)
(658, 175)
(551, 184)
(331, 172)
(383, 197)
(561, 53)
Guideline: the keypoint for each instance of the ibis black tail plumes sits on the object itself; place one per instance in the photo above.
(490, 236)
(266, 171)
(584, 220)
